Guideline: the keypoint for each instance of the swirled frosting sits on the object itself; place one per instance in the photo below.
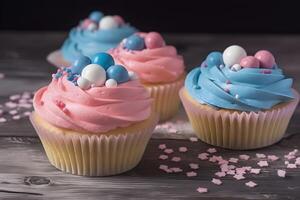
(86, 42)
(96, 110)
(158, 65)
(249, 89)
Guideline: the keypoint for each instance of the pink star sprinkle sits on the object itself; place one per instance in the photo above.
(233, 160)
(191, 174)
(286, 162)
(193, 139)
(220, 174)
(212, 159)
(168, 151)
(163, 167)
(216, 181)
(16, 117)
(291, 166)
(194, 166)
(222, 161)
(203, 156)
(2, 120)
(183, 149)
(211, 150)
(244, 157)
(13, 112)
(290, 157)
(202, 190)
(10, 104)
(297, 161)
(263, 163)
(260, 155)
(27, 113)
(231, 172)
(162, 146)
(240, 170)
(176, 159)
(281, 173)
(255, 171)
(231, 167)
(15, 97)
(224, 168)
(251, 184)
(176, 169)
(273, 157)
(239, 177)
(163, 157)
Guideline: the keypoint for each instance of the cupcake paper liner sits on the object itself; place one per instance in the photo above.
(166, 98)
(90, 154)
(235, 129)
(56, 59)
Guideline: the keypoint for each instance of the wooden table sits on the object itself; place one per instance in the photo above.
(26, 173)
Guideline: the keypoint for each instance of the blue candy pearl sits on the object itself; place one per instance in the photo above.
(96, 16)
(80, 63)
(135, 42)
(214, 59)
(118, 73)
(103, 59)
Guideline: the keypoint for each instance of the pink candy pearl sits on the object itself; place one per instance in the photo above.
(154, 40)
(86, 23)
(250, 61)
(119, 19)
(266, 59)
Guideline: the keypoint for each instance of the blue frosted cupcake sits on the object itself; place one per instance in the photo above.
(238, 101)
(97, 33)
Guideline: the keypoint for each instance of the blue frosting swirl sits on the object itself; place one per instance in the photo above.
(248, 89)
(86, 42)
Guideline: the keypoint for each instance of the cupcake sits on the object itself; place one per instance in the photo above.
(97, 33)
(237, 101)
(157, 65)
(94, 119)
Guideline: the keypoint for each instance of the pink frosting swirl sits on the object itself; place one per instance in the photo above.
(158, 65)
(96, 110)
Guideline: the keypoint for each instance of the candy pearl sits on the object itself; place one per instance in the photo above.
(250, 62)
(83, 83)
(110, 83)
(236, 67)
(80, 63)
(266, 59)
(132, 75)
(96, 16)
(118, 73)
(119, 20)
(86, 23)
(108, 22)
(214, 59)
(103, 59)
(233, 55)
(154, 40)
(92, 27)
(135, 42)
(95, 74)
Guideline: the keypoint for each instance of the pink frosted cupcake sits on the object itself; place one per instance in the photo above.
(158, 66)
(94, 120)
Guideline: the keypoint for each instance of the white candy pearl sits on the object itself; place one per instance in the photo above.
(95, 74)
(132, 75)
(110, 83)
(233, 55)
(92, 27)
(83, 83)
(236, 67)
(108, 22)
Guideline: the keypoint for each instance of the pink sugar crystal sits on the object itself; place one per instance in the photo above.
(162, 146)
(202, 190)
(182, 149)
(281, 173)
(216, 181)
(176, 159)
(168, 151)
(191, 174)
(163, 157)
(244, 157)
(251, 184)
(263, 163)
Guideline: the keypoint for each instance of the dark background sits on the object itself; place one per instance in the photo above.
(206, 16)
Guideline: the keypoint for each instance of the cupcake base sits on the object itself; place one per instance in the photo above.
(56, 59)
(236, 129)
(166, 99)
(89, 154)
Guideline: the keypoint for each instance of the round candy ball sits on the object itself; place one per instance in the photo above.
(154, 40)
(134, 42)
(236, 67)
(233, 55)
(83, 83)
(108, 22)
(79, 64)
(266, 59)
(96, 16)
(92, 26)
(103, 59)
(119, 20)
(95, 74)
(214, 59)
(118, 73)
(85, 23)
(249, 62)
(110, 83)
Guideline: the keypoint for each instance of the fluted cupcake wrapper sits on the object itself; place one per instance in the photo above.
(236, 129)
(166, 99)
(56, 59)
(94, 154)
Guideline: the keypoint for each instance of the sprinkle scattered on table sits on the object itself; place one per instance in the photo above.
(281, 173)
(202, 190)
(251, 184)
